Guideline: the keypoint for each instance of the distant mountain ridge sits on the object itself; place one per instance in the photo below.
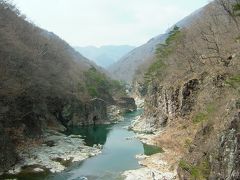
(126, 67)
(105, 55)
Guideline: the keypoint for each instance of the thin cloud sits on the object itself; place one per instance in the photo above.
(103, 22)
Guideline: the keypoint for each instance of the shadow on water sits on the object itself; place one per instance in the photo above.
(118, 153)
(97, 134)
(151, 149)
(133, 114)
(27, 174)
(92, 134)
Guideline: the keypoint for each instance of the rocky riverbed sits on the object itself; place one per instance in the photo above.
(58, 151)
(55, 151)
(160, 166)
(54, 154)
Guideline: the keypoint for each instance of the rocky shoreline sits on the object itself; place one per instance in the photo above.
(54, 154)
(157, 166)
(55, 151)
(58, 151)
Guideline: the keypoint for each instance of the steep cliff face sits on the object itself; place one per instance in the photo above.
(93, 112)
(191, 94)
(226, 163)
(198, 120)
(166, 102)
(127, 104)
(214, 152)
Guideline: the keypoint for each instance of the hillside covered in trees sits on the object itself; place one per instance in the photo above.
(44, 84)
(186, 80)
(191, 92)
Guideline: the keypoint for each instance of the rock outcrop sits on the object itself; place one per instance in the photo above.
(96, 111)
(192, 97)
(93, 112)
(164, 103)
(189, 92)
(54, 154)
(214, 154)
(126, 104)
(225, 161)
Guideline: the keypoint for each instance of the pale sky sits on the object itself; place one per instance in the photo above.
(107, 22)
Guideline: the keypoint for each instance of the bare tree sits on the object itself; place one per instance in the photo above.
(214, 32)
(228, 7)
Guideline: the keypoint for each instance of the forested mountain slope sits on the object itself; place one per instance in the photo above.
(44, 83)
(129, 66)
(191, 93)
(125, 68)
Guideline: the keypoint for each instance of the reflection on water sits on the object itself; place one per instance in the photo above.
(150, 149)
(97, 134)
(118, 153)
(92, 134)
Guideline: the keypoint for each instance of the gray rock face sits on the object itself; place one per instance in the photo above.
(93, 112)
(166, 102)
(188, 95)
(221, 155)
(96, 111)
(54, 155)
(139, 89)
(8, 156)
(227, 164)
(126, 104)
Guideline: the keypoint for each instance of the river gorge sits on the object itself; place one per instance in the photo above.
(119, 148)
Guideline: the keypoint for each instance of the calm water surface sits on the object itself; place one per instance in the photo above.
(118, 153)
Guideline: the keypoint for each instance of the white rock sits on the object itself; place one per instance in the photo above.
(38, 170)
(75, 136)
(16, 170)
(141, 156)
(66, 148)
(148, 174)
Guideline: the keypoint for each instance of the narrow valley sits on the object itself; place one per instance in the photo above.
(168, 109)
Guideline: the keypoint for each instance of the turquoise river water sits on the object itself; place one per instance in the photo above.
(118, 153)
